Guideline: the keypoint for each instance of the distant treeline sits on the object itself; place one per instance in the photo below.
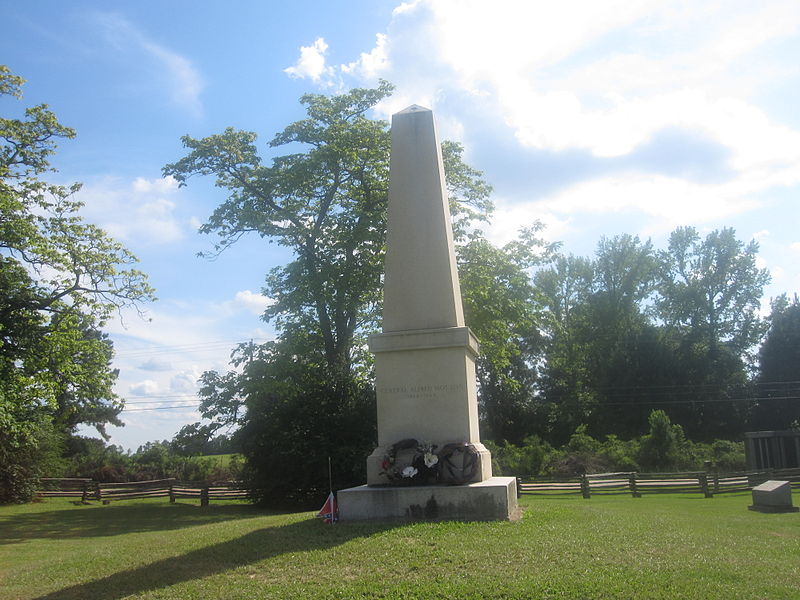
(92, 458)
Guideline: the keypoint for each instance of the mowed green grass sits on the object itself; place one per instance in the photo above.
(606, 547)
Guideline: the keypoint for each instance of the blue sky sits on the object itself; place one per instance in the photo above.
(598, 118)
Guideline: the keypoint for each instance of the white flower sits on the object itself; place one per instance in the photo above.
(430, 459)
(409, 471)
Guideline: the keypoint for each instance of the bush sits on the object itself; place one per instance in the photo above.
(661, 449)
(520, 461)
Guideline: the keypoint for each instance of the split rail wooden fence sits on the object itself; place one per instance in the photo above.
(87, 489)
(707, 483)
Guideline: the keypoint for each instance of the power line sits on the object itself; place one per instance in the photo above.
(161, 408)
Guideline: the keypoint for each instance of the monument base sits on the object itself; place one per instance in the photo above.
(494, 499)
(766, 508)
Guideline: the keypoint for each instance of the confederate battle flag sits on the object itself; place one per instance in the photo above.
(329, 511)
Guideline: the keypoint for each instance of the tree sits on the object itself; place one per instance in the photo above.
(778, 382)
(634, 328)
(504, 310)
(566, 287)
(661, 447)
(709, 294)
(61, 279)
(602, 345)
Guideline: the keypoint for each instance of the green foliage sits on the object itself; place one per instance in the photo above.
(664, 448)
(524, 461)
(61, 278)
(92, 458)
(779, 368)
(634, 329)
(325, 203)
(661, 447)
(299, 416)
(504, 310)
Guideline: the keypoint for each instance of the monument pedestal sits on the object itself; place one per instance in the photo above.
(426, 391)
(489, 500)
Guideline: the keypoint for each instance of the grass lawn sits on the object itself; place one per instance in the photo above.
(223, 460)
(606, 547)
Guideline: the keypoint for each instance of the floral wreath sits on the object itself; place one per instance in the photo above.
(422, 468)
(428, 466)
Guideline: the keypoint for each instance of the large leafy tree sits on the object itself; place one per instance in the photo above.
(323, 201)
(61, 279)
(709, 294)
(504, 309)
(601, 344)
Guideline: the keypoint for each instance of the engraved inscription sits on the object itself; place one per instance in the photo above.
(421, 392)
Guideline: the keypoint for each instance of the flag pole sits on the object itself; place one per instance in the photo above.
(330, 476)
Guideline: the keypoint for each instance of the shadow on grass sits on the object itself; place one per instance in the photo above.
(253, 547)
(116, 519)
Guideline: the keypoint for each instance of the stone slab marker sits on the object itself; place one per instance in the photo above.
(425, 356)
(773, 496)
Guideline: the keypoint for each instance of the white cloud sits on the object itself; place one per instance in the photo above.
(185, 382)
(186, 82)
(509, 217)
(795, 246)
(140, 210)
(255, 303)
(156, 364)
(370, 64)
(759, 235)
(311, 63)
(605, 79)
(176, 73)
(668, 201)
(147, 387)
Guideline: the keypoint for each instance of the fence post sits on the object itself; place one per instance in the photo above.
(171, 492)
(519, 487)
(204, 495)
(703, 479)
(85, 495)
(632, 482)
(585, 490)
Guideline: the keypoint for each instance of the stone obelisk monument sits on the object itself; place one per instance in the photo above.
(425, 357)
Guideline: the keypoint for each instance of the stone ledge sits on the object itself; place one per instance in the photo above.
(494, 499)
(771, 508)
(424, 339)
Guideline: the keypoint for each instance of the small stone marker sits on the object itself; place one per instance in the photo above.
(773, 497)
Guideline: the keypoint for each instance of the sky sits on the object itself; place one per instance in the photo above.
(597, 118)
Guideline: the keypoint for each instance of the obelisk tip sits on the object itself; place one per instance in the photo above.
(414, 108)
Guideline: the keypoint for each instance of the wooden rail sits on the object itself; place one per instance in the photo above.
(86, 490)
(65, 487)
(636, 484)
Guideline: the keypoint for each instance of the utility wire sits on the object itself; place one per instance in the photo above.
(161, 408)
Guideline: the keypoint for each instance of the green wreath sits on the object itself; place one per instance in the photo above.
(449, 469)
